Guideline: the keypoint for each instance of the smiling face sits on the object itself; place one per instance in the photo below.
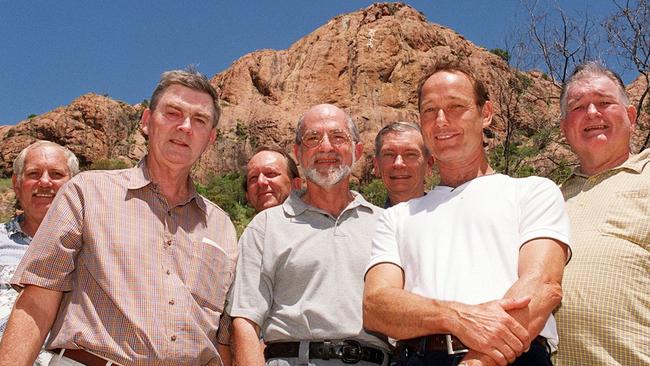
(267, 180)
(180, 127)
(402, 165)
(451, 121)
(331, 160)
(598, 124)
(45, 170)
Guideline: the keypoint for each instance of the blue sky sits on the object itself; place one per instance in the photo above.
(51, 52)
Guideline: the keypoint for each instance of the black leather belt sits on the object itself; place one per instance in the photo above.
(442, 343)
(348, 351)
(83, 357)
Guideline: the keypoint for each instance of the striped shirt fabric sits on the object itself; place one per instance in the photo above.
(604, 318)
(144, 283)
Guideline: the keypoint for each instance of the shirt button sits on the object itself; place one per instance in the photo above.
(171, 302)
(169, 242)
(173, 338)
(168, 272)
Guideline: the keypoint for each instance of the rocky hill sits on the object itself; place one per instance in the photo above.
(368, 62)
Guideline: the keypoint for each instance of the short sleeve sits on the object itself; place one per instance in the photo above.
(50, 259)
(543, 213)
(384, 243)
(251, 294)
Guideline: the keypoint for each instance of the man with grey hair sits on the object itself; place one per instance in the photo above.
(39, 171)
(132, 266)
(401, 161)
(299, 280)
(604, 318)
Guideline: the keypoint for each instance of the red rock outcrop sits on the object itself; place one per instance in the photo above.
(368, 62)
(94, 127)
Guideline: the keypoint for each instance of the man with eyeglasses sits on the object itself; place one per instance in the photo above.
(401, 161)
(299, 280)
(470, 273)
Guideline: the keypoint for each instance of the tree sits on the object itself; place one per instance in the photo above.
(558, 40)
(628, 33)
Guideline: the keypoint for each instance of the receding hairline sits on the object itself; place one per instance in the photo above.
(71, 160)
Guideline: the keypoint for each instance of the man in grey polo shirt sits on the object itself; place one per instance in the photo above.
(299, 278)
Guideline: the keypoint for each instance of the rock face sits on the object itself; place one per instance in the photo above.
(369, 62)
(94, 127)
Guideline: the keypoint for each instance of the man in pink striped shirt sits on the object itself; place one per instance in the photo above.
(132, 266)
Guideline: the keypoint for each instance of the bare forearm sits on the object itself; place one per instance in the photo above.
(30, 321)
(546, 295)
(246, 344)
(401, 315)
(541, 265)
(224, 353)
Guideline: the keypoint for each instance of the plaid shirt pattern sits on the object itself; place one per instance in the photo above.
(144, 283)
(604, 318)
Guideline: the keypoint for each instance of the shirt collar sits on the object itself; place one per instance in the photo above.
(13, 226)
(294, 205)
(138, 177)
(634, 163)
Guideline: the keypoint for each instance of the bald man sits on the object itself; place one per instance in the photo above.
(299, 280)
(271, 174)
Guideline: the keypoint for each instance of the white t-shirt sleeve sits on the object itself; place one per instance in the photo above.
(384, 243)
(542, 211)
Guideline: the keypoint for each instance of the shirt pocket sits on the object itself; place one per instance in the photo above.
(628, 217)
(214, 275)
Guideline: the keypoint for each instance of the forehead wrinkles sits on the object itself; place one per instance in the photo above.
(600, 87)
(195, 109)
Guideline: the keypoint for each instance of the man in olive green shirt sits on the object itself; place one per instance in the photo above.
(604, 318)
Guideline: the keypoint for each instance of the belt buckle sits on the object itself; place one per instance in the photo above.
(450, 346)
(351, 351)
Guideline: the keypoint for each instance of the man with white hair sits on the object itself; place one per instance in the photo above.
(39, 171)
(299, 280)
(604, 318)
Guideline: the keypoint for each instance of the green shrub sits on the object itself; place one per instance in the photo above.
(225, 190)
(505, 55)
(374, 191)
(108, 164)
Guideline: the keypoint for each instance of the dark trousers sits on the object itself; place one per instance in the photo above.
(537, 355)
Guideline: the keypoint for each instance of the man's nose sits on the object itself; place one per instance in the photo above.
(325, 143)
(591, 109)
(441, 118)
(186, 124)
(262, 179)
(399, 161)
(45, 180)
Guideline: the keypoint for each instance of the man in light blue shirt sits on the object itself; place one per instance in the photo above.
(39, 171)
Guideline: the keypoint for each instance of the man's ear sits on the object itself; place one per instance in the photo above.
(296, 183)
(14, 184)
(631, 114)
(144, 121)
(487, 111)
(430, 162)
(358, 150)
(296, 152)
(375, 167)
(213, 135)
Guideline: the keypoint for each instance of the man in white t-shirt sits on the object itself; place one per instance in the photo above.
(470, 273)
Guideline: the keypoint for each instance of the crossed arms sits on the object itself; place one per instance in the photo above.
(497, 331)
